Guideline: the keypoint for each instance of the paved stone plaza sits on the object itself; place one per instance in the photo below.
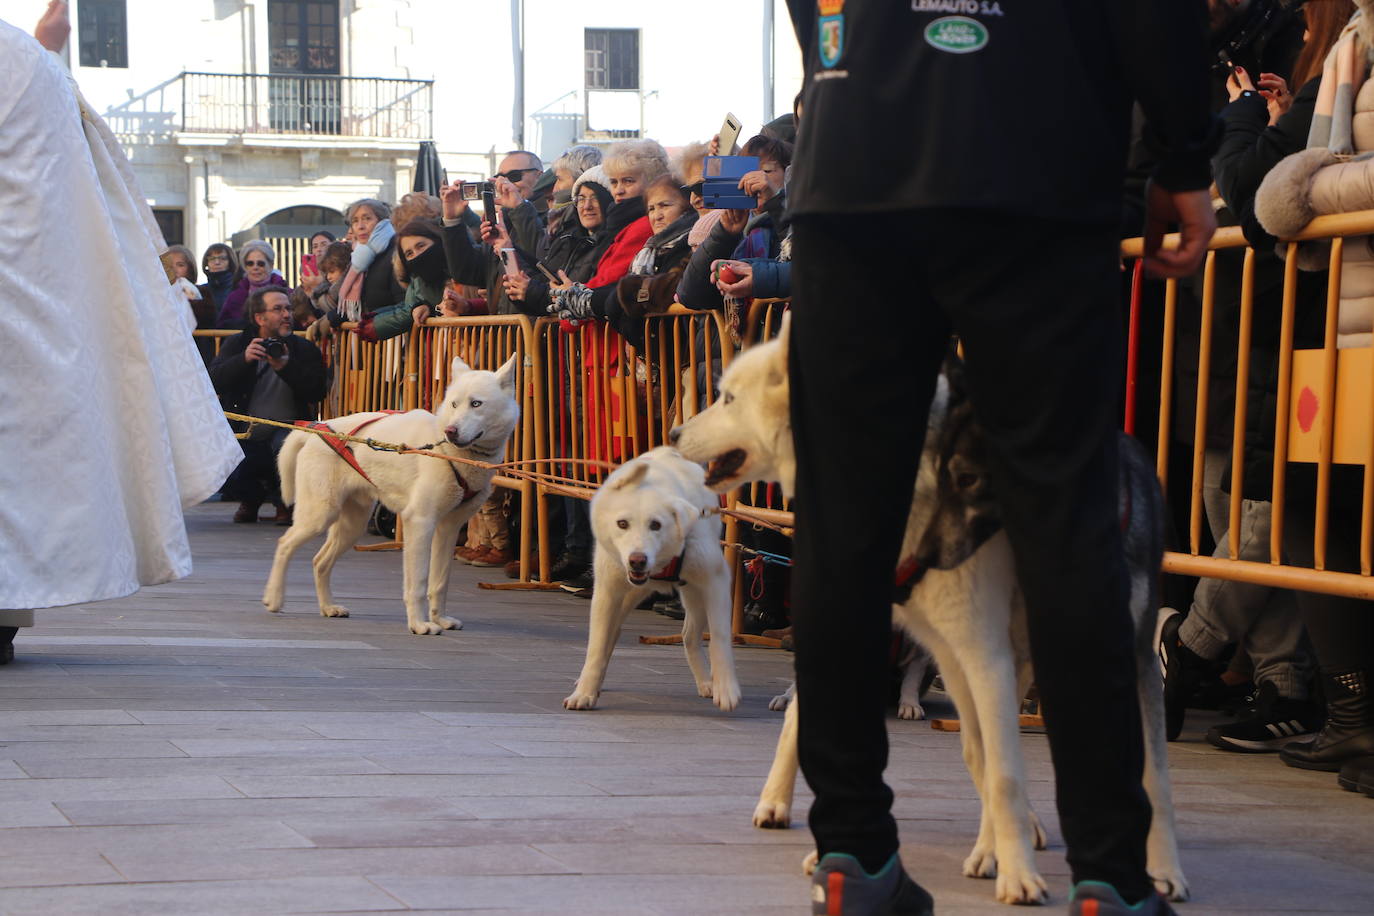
(182, 751)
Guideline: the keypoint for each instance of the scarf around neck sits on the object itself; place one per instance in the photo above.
(1343, 73)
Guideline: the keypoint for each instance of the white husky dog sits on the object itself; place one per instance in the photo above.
(654, 531)
(966, 608)
(432, 497)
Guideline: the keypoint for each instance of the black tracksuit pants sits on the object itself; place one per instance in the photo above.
(1036, 304)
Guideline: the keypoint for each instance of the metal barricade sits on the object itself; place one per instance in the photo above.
(1322, 416)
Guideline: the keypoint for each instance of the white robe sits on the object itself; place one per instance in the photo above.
(108, 423)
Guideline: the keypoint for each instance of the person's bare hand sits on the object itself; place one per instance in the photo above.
(713, 148)
(52, 30)
(254, 352)
(494, 236)
(419, 314)
(452, 197)
(564, 282)
(516, 286)
(453, 305)
(1192, 211)
(1274, 89)
(740, 288)
(756, 184)
(734, 221)
(311, 282)
(507, 194)
(1239, 81)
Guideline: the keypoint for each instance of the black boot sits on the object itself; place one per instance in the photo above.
(7, 644)
(1355, 771)
(1349, 728)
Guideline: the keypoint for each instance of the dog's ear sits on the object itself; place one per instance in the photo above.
(686, 515)
(634, 475)
(457, 368)
(506, 374)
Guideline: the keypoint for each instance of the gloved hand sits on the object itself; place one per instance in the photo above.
(572, 302)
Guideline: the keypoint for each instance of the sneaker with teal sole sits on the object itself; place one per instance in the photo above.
(841, 887)
(1098, 898)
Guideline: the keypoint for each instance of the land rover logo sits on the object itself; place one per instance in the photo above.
(957, 35)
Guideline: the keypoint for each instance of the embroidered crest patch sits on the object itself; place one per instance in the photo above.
(831, 31)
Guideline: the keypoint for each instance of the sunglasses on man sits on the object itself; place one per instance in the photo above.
(514, 175)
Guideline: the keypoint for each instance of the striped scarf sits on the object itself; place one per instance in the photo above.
(1343, 73)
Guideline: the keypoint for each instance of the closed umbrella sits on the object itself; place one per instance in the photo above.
(429, 174)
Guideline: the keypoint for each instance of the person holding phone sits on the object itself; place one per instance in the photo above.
(479, 263)
(576, 249)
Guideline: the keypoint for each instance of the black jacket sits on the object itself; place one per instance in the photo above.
(234, 377)
(906, 107)
(576, 252)
(380, 287)
(475, 264)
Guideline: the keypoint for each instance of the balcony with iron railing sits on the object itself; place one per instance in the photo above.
(346, 107)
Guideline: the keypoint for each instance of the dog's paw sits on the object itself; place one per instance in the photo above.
(1171, 883)
(425, 628)
(448, 623)
(911, 711)
(334, 610)
(704, 689)
(773, 815)
(1038, 838)
(809, 863)
(579, 700)
(981, 862)
(726, 696)
(779, 702)
(272, 604)
(1021, 886)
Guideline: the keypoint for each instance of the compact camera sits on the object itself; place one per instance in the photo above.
(473, 190)
(274, 347)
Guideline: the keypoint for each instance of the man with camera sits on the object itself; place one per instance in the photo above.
(265, 371)
(509, 190)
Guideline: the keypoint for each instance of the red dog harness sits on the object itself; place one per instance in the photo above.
(344, 450)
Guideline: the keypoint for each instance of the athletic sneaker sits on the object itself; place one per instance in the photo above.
(1098, 898)
(1273, 722)
(1184, 670)
(841, 887)
(579, 585)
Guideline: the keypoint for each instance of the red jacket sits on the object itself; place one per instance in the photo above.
(615, 263)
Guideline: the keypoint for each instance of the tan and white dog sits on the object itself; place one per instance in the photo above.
(966, 608)
(432, 497)
(654, 531)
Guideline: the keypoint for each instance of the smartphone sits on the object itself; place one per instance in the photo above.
(489, 205)
(511, 261)
(729, 135)
(550, 275)
(308, 267)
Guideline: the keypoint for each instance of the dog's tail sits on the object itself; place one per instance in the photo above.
(286, 465)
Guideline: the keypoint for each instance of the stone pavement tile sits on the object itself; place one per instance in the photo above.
(118, 788)
(66, 716)
(15, 814)
(11, 770)
(22, 751)
(206, 865)
(279, 895)
(604, 806)
(442, 743)
(594, 857)
(707, 893)
(1245, 881)
(277, 718)
(222, 766)
(397, 832)
(224, 810)
(406, 785)
(19, 734)
(740, 751)
(57, 870)
(149, 839)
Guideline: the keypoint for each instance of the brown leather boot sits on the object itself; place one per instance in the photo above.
(247, 513)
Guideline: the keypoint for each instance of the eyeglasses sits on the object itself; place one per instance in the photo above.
(216, 257)
(588, 201)
(254, 263)
(514, 175)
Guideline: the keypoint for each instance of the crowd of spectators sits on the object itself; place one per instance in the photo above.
(608, 238)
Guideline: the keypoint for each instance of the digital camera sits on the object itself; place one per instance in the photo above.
(473, 190)
(274, 347)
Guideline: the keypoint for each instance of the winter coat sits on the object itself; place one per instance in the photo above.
(216, 289)
(231, 316)
(234, 377)
(380, 286)
(758, 240)
(398, 319)
(476, 264)
(650, 283)
(576, 252)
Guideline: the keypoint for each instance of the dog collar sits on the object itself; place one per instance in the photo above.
(673, 571)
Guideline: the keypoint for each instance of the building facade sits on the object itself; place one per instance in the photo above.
(265, 118)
